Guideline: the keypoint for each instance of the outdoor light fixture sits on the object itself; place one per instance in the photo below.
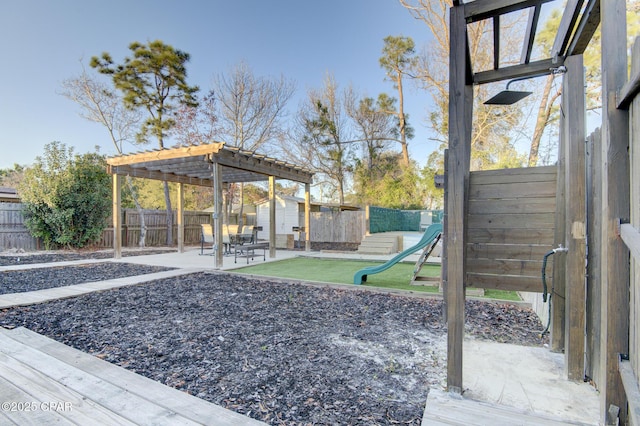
(509, 97)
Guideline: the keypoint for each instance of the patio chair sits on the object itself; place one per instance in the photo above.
(229, 233)
(206, 237)
(246, 236)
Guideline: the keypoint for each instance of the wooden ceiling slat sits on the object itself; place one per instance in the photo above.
(589, 22)
(496, 42)
(530, 34)
(567, 23)
(479, 10)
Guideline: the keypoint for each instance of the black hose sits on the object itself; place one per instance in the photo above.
(545, 290)
(544, 275)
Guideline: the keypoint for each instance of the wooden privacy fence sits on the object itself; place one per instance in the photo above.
(511, 217)
(156, 223)
(337, 226)
(13, 233)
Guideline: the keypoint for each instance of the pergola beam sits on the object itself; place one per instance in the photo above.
(192, 165)
(148, 174)
(166, 154)
(589, 22)
(479, 10)
(567, 22)
(532, 69)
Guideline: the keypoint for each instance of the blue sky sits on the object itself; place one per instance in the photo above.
(44, 42)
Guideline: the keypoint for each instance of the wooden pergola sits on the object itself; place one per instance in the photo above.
(609, 242)
(211, 165)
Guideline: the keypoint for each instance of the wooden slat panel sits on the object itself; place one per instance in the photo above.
(541, 236)
(522, 174)
(515, 205)
(505, 282)
(509, 251)
(512, 221)
(512, 190)
(530, 268)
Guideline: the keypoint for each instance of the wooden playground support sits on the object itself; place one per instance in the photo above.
(590, 203)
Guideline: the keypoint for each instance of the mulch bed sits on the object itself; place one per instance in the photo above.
(59, 276)
(279, 352)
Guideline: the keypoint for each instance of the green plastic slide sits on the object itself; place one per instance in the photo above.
(429, 236)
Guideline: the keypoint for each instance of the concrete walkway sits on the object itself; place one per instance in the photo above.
(513, 385)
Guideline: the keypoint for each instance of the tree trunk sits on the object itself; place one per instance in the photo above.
(167, 201)
(544, 111)
(403, 123)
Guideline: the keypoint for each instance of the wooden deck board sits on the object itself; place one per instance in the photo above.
(116, 391)
(18, 415)
(48, 399)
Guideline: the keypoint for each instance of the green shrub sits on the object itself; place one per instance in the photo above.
(66, 197)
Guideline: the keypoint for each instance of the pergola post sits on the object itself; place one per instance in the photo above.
(574, 128)
(307, 217)
(272, 217)
(614, 333)
(180, 218)
(460, 116)
(218, 248)
(117, 216)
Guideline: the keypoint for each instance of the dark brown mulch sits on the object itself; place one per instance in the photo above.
(59, 276)
(283, 353)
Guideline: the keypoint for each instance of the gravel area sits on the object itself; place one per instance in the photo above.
(60, 276)
(280, 352)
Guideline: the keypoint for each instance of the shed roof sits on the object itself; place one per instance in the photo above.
(193, 165)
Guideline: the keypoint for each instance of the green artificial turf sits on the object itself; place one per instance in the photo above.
(342, 271)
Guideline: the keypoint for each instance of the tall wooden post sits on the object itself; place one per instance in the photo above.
(558, 297)
(573, 101)
(615, 204)
(180, 218)
(218, 247)
(307, 217)
(117, 216)
(460, 116)
(272, 216)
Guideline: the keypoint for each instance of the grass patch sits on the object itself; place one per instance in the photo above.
(340, 271)
(502, 295)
